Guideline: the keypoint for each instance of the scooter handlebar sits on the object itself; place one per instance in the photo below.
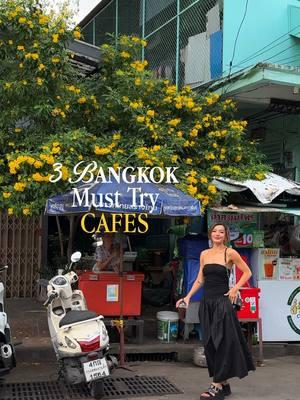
(50, 299)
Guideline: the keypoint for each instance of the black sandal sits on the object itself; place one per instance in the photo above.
(226, 389)
(213, 393)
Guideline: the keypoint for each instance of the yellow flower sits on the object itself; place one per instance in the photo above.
(22, 20)
(19, 186)
(10, 42)
(8, 85)
(174, 158)
(180, 134)
(174, 122)
(138, 82)
(21, 65)
(203, 179)
(37, 177)
(43, 19)
(34, 56)
(117, 136)
(65, 173)
(38, 164)
(143, 43)
(81, 100)
(148, 162)
(10, 211)
(101, 151)
(189, 161)
(26, 211)
(6, 195)
(260, 176)
(156, 148)
(55, 150)
(194, 133)
(39, 81)
(191, 180)
(124, 54)
(171, 89)
(55, 60)
(80, 157)
(140, 118)
(212, 189)
(134, 105)
(18, 130)
(192, 190)
(76, 34)
(216, 168)
(41, 67)
(190, 104)
(21, 48)
(139, 65)
(150, 113)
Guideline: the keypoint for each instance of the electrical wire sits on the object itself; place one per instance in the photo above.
(266, 47)
(237, 36)
(280, 52)
(291, 58)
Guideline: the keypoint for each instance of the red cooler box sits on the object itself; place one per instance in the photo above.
(102, 292)
(250, 307)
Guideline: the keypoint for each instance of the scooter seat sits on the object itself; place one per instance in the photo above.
(77, 316)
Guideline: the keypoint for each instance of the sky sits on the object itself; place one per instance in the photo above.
(85, 6)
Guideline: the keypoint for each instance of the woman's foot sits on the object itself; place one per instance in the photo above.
(214, 392)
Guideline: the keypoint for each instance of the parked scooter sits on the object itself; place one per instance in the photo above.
(7, 351)
(79, 336)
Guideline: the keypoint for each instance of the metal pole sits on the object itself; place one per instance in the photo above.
(94, 31)
(122, 342)
(177, 43)
(117, 21)
(143, 26)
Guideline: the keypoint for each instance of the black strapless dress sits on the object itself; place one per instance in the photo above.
(225, 346)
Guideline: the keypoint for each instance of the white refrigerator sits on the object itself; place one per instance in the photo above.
(280, 310)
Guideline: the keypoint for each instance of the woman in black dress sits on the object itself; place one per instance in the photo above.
(226, 350)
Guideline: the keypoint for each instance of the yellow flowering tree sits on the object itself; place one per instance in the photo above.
(118, 117)
(42, 100)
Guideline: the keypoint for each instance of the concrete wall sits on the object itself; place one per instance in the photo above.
(265, 22)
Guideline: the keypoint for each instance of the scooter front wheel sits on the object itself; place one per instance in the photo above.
(97, 389)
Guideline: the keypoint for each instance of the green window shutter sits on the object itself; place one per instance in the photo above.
(294, 21)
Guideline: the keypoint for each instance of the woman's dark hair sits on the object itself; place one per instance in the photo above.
(227, 233)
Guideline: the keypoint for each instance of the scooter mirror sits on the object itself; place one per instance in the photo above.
(99, 242)
(76, 256)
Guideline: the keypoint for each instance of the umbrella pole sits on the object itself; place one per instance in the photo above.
(122, 342)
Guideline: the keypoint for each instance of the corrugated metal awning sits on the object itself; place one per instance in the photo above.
(246, 209)
(265, 191)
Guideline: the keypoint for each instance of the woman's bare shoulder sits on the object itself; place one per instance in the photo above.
(231, 251)
(204, 252)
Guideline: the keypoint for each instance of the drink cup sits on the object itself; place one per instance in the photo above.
(182, 310)
(269, 269)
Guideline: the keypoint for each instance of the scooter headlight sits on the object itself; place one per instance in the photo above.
(104, 333)
(70, 344)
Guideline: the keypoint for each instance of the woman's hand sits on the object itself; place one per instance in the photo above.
(185, 299)
(232, 294)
